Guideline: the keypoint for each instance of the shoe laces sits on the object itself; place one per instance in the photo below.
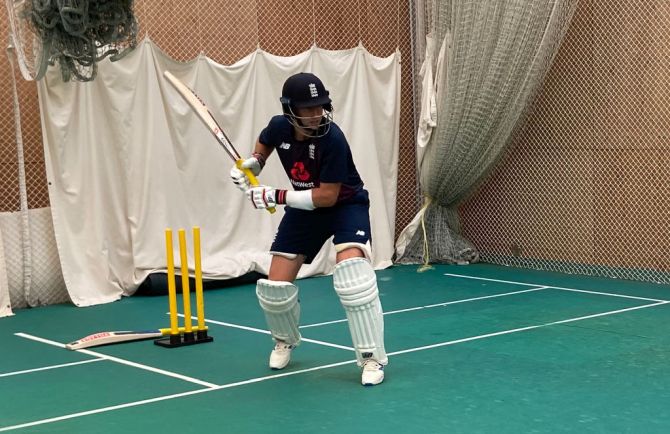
(283, 346)
(372, 365)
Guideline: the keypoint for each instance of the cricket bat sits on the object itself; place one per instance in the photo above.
(115, 337)
(207, 118)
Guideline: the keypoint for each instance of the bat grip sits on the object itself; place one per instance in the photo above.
(252, 179)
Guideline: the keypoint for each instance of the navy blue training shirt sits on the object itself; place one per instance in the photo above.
(310, 162)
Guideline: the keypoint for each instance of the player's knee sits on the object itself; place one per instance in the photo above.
(355, 282)
(353, 250)
(276, 295)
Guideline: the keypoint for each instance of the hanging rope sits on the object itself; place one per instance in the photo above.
(426, 248)
(313, 23)
(397, 25)
(360, 34)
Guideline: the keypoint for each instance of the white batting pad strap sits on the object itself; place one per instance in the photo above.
(279, 301)
(356, 284)
(365, 248)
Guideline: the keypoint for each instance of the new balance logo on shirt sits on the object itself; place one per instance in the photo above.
(361, 233)
(285, 145)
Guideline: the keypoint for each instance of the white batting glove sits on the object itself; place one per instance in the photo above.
(263, 197)
(255, 163)
(240, 179)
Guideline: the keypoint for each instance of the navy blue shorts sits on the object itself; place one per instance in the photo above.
(304, 232)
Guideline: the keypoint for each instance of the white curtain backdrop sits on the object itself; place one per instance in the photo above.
(126, 158)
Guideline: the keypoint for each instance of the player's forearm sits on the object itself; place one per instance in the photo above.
(264, 151)
(308, 199)
(324, 198)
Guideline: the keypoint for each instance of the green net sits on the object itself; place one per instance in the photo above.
(76, 34)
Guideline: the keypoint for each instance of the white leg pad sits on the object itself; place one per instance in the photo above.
(279, 301)
(356, 284)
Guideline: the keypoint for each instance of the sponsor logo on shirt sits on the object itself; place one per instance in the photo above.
(299, 172)
(311, 150)
(302, 184)
(285, 145)
(361, 233)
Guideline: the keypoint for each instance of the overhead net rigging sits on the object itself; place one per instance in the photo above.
(75, 34)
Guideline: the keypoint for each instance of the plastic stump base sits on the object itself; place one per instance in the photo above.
(181, 340)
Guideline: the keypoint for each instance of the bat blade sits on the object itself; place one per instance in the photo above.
(106, 338)
(208, 119)
(203, 113)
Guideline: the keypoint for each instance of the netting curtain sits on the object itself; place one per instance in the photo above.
(484, 63)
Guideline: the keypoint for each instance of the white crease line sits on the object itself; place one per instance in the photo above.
(267, 332)
(168, 397)
(47, 368)
(558, 287)
(121, 361)
(505, 332)
(286, 374)
(326, 323)
(465, 300)
(611, 294)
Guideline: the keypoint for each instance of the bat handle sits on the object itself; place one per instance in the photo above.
(252, 179)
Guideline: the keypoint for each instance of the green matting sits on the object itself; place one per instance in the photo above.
(487, 359)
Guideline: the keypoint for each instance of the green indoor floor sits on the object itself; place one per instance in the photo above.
(473, 349)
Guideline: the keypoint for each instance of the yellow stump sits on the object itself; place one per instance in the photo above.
(189, 334)
(199, 298)
(185, 288)
(172, 290)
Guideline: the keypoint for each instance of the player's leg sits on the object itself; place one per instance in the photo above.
(295, 243)
(278, 298)
(355, 282)
(285, 266)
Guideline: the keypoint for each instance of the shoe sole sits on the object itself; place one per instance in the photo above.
(279, 368)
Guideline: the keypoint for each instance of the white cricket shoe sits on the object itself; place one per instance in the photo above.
(280, 355)
(373, 373)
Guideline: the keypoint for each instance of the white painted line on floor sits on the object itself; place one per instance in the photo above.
(558, 287)
(103, 410)
(267, 332)
(121, 361)
(610, 294)
(430, 306)
(168, 397)
(48, 368)
(521, 329)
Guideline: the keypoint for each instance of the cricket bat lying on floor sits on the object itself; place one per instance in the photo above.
(107, 338)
